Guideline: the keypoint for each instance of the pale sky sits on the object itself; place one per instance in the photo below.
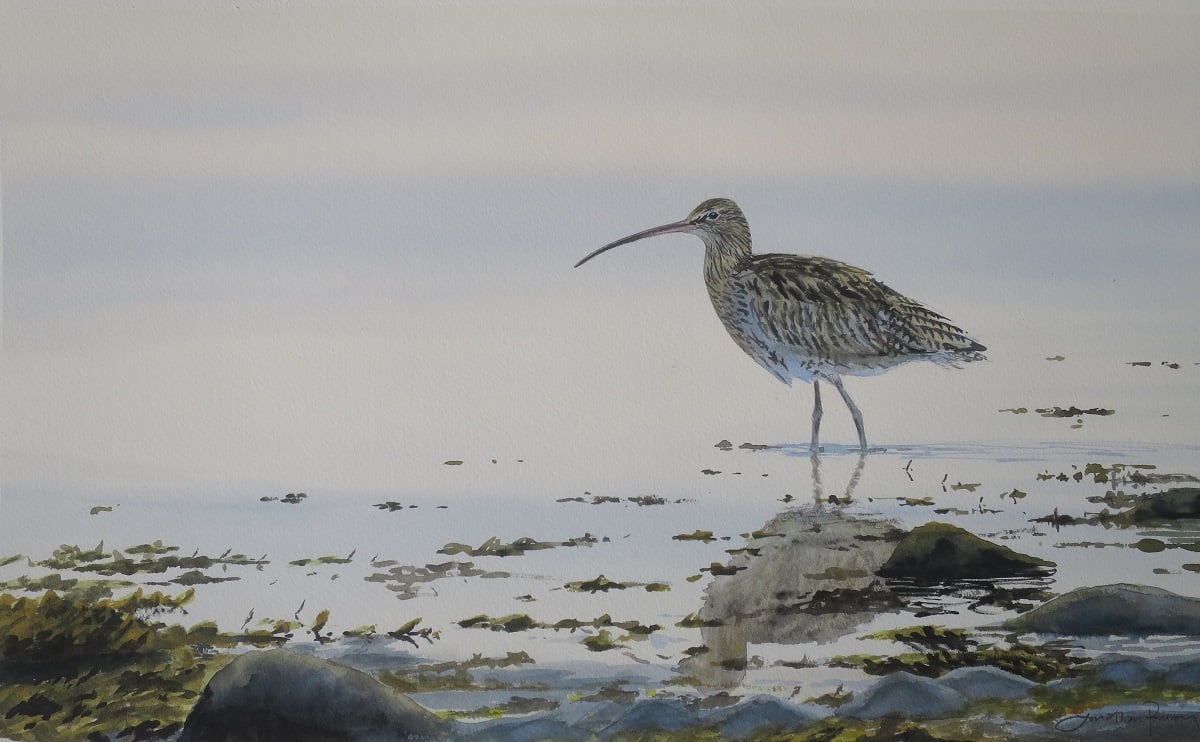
(321, 241)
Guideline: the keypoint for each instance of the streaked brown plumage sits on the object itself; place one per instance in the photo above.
(810, 318)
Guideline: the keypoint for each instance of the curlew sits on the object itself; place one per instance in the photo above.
(807, 317)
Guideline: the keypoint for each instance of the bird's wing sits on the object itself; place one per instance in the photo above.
(831, 310)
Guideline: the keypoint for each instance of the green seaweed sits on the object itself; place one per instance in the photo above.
(940, 651)
(194, 577)
(66, 660)
(523, 622)
(453, 675)
(77, 663)
(324, 560)
(693, 621)
(510, 623)
(601, 642)
(404, 580)
(697, 535)
(154, 559)
(928, 638)
(516, 705)
(602, 585)
(495, 547)
(410, 633)
(71, 587)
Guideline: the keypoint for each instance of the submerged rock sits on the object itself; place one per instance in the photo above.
(522, 730)
(986, 682)
(1124, 609)
(288, 697)
(906, 696)
(665, 715)
(759, 716)
(940, 551)
(749, 718)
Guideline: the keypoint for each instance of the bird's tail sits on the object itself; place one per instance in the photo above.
(946, 343)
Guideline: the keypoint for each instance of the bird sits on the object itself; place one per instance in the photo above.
(808, 317)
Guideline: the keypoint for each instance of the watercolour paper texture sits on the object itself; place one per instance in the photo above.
(293, 345)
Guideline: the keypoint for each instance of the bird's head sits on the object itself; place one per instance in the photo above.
(717, 221)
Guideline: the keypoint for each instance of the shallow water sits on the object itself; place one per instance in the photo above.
(740, 491)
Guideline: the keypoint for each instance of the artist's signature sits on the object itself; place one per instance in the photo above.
(1151, 714)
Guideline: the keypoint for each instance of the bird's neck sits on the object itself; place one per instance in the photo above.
(724, 258)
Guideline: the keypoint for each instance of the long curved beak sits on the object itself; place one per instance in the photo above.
(684, 226)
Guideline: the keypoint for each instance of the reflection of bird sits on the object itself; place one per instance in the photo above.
(810, 318)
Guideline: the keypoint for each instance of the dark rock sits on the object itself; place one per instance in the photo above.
(1174, 504)
(906, 696)
(977, 683)
(1175, 671)
(940, 551)
(1124, 671)
(1185, 673)
(757, 716)
(521, 730)
(653, 715)
(1129, 610)
(282, 696)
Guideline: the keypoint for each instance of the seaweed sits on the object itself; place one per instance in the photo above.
(639, 500)
(404, 580)
(291, 498)
(1073, 411)
(453, 675)
(940, 650)
(697, 535)
(601, 642)
(154, 559)
(937, 551)
(324, 560)
(495, 547)
(602, 585)
(515, 705)
(523, 622)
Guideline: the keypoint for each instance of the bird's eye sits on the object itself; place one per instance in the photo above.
(712, 216)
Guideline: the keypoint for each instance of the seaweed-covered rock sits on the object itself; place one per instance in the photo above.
(1174, 504)
(1131, 610)
(940, 551)
(906, 696)
(288, 697)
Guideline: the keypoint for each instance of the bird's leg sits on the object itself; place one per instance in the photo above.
(814, 447)
(854, 413)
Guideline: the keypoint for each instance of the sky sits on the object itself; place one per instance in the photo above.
(263, 246)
